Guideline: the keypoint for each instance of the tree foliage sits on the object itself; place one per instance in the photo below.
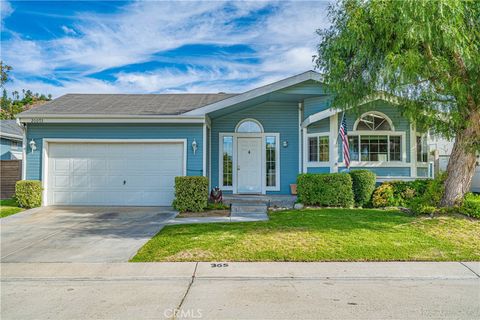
(426, 53)
(10, 107)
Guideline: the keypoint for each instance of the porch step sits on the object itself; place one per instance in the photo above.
(248, 208)
(283, 201)
(243, 212)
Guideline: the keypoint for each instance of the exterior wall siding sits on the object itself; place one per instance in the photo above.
(318, 170)
(422, 172)
(37, 132)
(275, 117)
(315, 105)
(321, 126)
(383, 172)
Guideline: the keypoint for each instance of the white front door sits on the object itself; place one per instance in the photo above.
(249, 165)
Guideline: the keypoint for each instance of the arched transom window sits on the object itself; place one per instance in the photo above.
(249, 126)
(374, 139)
(373, 121)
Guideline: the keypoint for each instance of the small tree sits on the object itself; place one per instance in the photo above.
(427, 53)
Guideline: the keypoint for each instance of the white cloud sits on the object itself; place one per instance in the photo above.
(68, 30)
(283, 41)
(5, 9)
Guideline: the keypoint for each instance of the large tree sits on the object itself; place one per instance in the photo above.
(427, 53)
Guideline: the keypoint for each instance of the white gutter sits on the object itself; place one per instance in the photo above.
(108, 118)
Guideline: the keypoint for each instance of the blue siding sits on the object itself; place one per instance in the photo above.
(319, 126)
(275, 117)
(318, 170)
(5, 149)
(422, 172)
(115, 131)
(384, 172)
(314, 105)
(393, 112)
(310, 87)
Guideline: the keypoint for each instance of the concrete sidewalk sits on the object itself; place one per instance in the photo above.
(406, 290)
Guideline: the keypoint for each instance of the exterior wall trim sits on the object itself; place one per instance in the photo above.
(46, 142)
(53, 118)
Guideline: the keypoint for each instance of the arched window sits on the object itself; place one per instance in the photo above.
(374, 139)
(373, 121)
(249, 126)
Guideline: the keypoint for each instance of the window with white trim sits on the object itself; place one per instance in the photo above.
(422, 148)
(227, 159)
(15, 145)
(318, 148)
(249, 126)
(374, 139)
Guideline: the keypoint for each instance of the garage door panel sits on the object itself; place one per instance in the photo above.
(93, 173)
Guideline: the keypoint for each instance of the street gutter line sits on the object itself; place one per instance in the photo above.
(186, 292)
(463, 264)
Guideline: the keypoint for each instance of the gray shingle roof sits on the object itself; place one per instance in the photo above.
(126, 104)
(10, 127)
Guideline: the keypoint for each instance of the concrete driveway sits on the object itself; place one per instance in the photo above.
(79, 234)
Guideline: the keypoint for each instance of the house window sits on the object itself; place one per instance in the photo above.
(372, 141)
(249, 126)
(14, 145)
(373, 121)
(422, 148)
(227, 161)
(318, 149)
(271, 161)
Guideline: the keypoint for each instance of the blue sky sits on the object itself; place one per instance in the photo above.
(63, 47)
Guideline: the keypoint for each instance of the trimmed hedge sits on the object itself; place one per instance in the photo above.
(191, 194)
(363, 182)
(325, 189)
(471, 205)
(28, 193)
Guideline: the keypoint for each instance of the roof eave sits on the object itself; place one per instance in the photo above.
(107, 118)
(254, 93)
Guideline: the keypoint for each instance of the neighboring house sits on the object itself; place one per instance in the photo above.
(127, 149)
(11, 136)
(443, 149)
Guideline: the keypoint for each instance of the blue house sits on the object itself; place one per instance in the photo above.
(11, 137)
(127, 149)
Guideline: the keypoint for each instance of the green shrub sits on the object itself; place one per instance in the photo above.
(191, 194)
(429, 201)
(28, 193)
(363, 182)
(399, 193)
(328, 189)
(471, 205)
(383, 196)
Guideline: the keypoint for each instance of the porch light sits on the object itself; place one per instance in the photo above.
(285, 143)
(194, 146)
(33, 146)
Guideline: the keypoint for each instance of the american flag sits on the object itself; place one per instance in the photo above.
(343, 135)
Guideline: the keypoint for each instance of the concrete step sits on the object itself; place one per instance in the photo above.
(248, 208)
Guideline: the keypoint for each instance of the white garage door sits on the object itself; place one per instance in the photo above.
(131, 174)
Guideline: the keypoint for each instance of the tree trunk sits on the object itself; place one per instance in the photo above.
(460, 170)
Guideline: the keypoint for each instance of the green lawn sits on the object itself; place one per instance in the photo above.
(8, 207)
(320, 235)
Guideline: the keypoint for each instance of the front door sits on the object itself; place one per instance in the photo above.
(249, 165)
